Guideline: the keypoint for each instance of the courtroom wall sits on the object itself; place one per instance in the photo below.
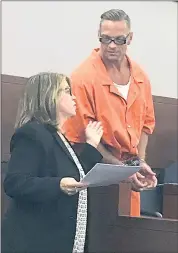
(58, 35)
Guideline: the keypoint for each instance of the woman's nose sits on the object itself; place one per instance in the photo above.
(73, 97)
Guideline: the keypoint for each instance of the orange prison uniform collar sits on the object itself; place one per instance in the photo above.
(123, 121)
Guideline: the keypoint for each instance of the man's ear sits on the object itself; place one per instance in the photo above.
(130, 38)
(98, 33)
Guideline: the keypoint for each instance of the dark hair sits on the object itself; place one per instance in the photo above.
(116, 15)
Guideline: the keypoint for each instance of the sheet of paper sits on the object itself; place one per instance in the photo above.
(107, 174)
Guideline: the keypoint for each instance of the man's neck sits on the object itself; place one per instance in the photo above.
(119, 72)
(116, 65)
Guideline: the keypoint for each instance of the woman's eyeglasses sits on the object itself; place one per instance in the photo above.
(68, 90)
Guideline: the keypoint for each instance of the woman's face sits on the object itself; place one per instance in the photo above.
(65, 104)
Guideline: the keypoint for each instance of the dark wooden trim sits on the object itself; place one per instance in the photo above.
(22, 80)
(150, 223)
(165, 100)
(171, 189)
(13, 79)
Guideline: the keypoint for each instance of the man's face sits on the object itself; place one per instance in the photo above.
(117, 30)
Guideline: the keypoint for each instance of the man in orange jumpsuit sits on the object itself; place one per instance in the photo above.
(111, 88)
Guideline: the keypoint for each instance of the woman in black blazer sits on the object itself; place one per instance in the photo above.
(48, 209)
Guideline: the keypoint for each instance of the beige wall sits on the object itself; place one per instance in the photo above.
(57, 36)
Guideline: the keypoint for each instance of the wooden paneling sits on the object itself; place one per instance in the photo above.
(12, 88)
(162, 147)
(170, 201)
(110, 233)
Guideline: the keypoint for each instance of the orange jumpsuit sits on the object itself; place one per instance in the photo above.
(123, 121)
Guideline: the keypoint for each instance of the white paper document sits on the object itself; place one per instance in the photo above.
(107, 174)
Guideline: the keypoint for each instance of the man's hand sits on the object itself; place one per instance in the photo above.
(70, 186)
(143, 179)
(137, 182)
(150, 177)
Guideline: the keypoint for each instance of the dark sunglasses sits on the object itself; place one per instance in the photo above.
(120, 40)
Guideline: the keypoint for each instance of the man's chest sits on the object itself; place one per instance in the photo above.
(109, 104)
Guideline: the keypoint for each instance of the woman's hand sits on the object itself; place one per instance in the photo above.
(93, 133)
(70, 186)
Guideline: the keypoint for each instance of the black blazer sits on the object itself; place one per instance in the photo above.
(41, 218)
